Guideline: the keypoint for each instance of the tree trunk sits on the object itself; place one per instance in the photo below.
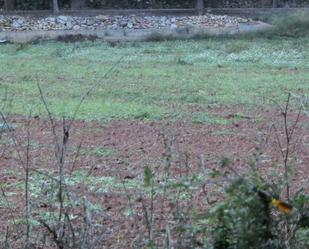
(9, 4)
(211, 4)
(78, 4)
(126, 4)
(153, 4)
(199, 6)
(55, 7)
(275, 3)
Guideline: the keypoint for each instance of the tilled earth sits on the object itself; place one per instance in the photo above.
(121, 149)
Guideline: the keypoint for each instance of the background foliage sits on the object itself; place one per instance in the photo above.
(45, 4)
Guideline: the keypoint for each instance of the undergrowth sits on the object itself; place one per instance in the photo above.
(247, 210)
(291, 25)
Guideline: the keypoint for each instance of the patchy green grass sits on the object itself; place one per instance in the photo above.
(205, 118)
(227, 132)
(154, 80)
(97, 151)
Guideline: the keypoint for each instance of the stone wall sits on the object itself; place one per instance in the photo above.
(131, 22)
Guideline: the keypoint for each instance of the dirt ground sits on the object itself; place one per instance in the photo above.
(121, 149)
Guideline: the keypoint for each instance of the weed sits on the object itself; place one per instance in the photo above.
(76, 38)
(58, 53)
(236, 47)
(159, 37)
(204, 118)
(97, 151)
(227, 132)
(21, 47)
(125, 33)
(183, 62)
(107, 33)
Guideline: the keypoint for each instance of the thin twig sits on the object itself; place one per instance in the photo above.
(94, 86)
(27, 196)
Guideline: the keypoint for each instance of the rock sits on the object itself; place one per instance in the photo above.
(114, 26)
(229, 25)
(168, 22)
(76, 27)
(163, 19)
(139, 19)
(130, 25)
(2, 19)
(62, 19)
(69, 25)
(174, 26)
(242, 20)
(50, 19)
(90, 21)
(102, 17)
(123, 24)
(18, 23)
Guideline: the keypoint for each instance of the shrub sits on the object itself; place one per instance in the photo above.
(293, 25)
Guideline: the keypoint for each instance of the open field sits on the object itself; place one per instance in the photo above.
(154, 80)
(163, 104)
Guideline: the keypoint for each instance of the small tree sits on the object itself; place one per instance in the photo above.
(9, 4)
(78, 4)
(275, 3)
(199, 6)
(55, 6)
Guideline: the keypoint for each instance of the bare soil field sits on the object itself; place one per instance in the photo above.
(118, 152)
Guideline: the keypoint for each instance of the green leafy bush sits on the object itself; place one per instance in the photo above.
(246, 218)
(292, 25)
(243, 219)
